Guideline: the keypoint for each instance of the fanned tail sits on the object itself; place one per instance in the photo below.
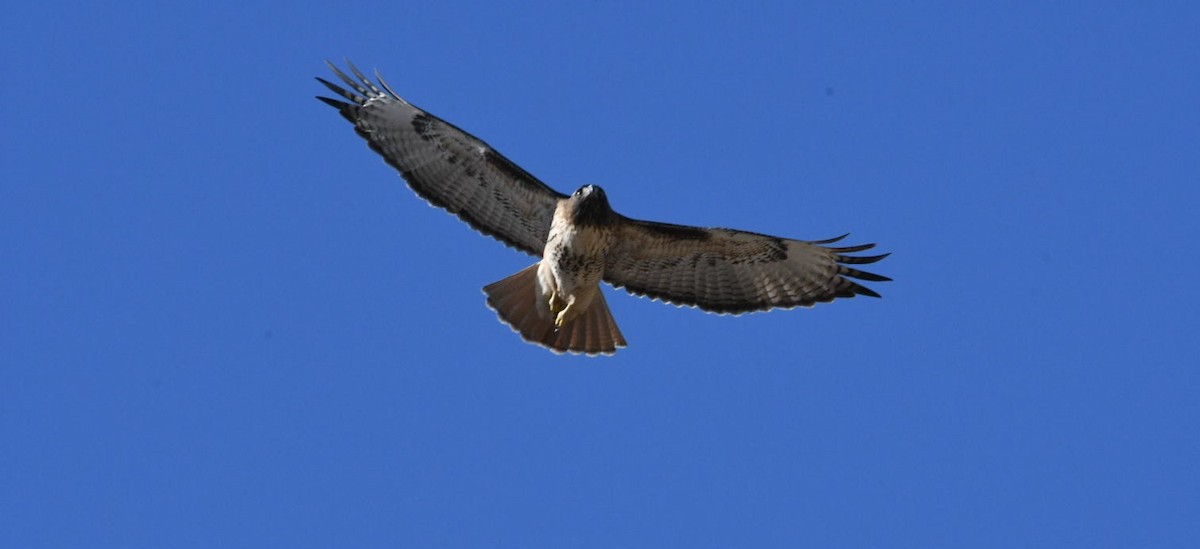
(515, 300)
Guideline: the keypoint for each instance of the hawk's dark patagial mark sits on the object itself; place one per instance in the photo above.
(581, 241)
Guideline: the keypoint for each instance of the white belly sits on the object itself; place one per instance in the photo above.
(572, 264)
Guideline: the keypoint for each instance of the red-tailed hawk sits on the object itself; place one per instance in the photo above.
(557, 302)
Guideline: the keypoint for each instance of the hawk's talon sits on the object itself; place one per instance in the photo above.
(561, 319)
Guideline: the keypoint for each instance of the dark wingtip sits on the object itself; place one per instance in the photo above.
(340, 91)
(863, 275)
(348, 111)
(830, 240)
(845, 271)
(860, 260)
(333, 102)
(863, 290)
(851, 249)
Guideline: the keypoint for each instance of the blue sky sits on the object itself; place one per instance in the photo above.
(226, 323)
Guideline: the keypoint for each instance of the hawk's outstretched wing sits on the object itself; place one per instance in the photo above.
(729, 271)
(447, 166)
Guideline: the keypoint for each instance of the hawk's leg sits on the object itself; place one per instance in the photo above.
(556, 302)
(567, 313)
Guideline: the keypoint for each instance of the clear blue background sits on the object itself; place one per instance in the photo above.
(227, 323)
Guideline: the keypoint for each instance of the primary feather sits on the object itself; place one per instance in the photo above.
(449, 167)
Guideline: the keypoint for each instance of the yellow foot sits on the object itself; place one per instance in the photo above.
(561, 319)
(557, 304)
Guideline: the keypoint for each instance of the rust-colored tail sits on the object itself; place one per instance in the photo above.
(515, 300)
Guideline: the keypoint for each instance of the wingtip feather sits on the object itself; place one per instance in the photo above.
(863, 290)
(830, 240)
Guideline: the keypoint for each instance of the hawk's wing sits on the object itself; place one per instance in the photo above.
(729, 271)
(449, 167)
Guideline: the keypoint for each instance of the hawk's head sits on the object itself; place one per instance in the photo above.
(589, 206)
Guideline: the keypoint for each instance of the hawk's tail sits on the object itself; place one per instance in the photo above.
(515, 300)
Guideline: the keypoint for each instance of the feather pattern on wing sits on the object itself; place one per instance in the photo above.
(730, 271)
(447, 166)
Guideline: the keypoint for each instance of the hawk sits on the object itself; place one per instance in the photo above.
(581, 241)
